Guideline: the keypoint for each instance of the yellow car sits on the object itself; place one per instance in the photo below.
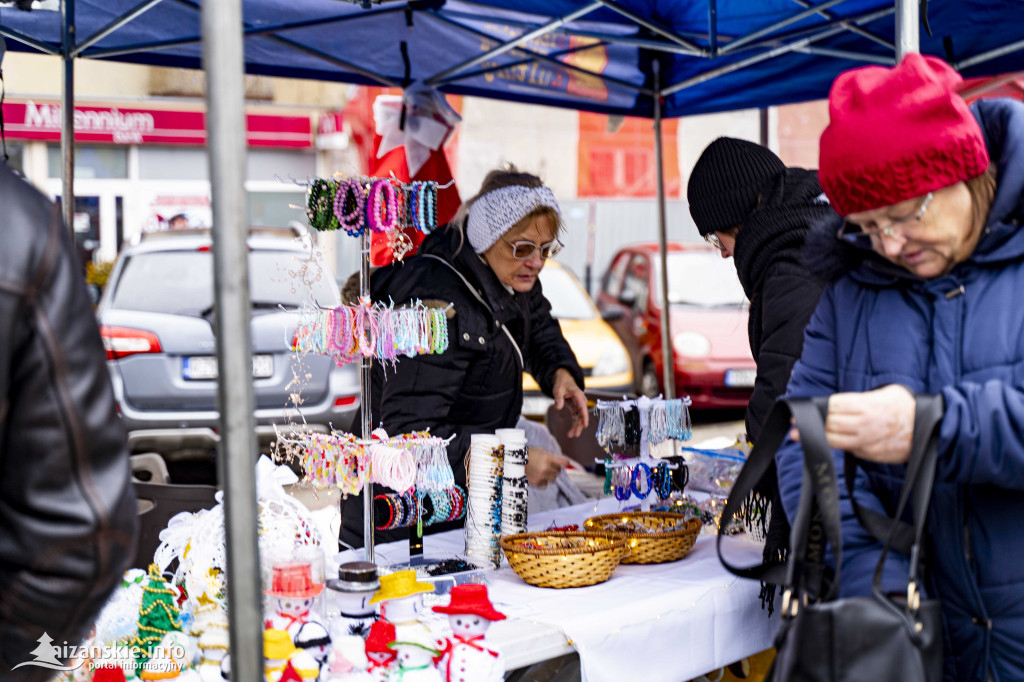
(606, 363)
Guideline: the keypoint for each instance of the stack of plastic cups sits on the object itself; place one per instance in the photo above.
(515, 489)
(483, 506)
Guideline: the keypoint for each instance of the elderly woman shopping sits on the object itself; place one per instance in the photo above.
(931, 264)
(485, 264)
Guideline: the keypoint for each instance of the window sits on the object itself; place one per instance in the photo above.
(16, 156)
(635, 286)
(566, 296)
(181, 282)
(173, 163)
(613, 278)
(274, 209)
(91, 161)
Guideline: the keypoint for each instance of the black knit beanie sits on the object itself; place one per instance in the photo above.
(726, 181)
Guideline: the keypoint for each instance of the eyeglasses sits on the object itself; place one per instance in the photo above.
(523, 250)
(714, 241)
(856, 233)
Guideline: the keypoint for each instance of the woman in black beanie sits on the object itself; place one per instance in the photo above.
(751, 207)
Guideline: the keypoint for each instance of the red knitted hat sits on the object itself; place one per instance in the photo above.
(897, 133)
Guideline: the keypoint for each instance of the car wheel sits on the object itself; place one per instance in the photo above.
(649, 384)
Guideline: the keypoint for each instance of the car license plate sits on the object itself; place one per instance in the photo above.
(204, 367)
(740, 377)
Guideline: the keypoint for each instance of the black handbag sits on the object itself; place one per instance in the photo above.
(823, 638)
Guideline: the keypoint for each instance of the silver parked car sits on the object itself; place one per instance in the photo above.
(157, 321)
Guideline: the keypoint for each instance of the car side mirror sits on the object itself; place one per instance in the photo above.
(612, 314)
(94, 293)
(627, 297)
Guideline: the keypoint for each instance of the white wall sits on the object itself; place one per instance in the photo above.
(540, 140)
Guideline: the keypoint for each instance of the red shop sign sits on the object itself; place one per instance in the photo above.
(120, 125)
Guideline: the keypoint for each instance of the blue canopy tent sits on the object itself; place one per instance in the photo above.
(650, 58)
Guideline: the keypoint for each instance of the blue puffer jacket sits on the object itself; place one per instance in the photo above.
(961, 335)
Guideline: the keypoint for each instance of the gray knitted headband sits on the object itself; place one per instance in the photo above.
(496, 212)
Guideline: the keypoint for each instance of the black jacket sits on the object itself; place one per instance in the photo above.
(67, 508)
(475, 386)
(783, 293)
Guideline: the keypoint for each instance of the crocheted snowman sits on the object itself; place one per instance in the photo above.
(293, 595)
(401, 597)
(467, 656)
(380, 656)
(348, 661)
(415, 649)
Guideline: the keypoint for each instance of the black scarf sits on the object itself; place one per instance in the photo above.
(772, 240)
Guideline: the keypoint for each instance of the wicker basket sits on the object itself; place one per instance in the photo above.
(650, 548)
(563, 558)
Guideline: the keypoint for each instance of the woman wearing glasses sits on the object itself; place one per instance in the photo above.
(485, 265)
(932, 272)
(750, 206)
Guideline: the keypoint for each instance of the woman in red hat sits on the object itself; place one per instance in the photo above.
(467, 656)
(929, 269)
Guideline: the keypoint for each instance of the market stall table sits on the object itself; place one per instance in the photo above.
(657, 622)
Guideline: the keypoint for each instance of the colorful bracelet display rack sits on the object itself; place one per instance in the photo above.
(385, 332)
(414, 461)
(637, 425)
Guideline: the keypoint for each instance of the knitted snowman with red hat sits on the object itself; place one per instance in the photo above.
(380, 656)
(293, 595)
(467, 656)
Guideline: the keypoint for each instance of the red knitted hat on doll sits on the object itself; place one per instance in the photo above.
(897, 133)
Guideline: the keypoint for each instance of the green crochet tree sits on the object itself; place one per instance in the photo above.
(158, 614)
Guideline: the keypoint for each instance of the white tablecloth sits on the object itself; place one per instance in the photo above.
(659, 622)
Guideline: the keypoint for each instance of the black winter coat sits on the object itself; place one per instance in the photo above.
(782, 291)
(783, 295)
(66, 499)
(475, 386)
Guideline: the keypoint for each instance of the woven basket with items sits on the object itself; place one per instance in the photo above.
(651, 537)
(563, 558)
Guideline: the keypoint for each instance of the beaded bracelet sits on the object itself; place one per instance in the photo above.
(381, 211)
(634, 483)
(349, 207)
(319, 204)
(663, 481)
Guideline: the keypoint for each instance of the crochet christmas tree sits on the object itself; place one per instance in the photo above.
(158, 614)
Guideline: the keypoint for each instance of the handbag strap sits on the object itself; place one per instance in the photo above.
(819, 501)
(918, 481)
(773, 432)
(480, 297)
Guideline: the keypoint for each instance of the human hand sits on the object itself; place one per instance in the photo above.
(565, 389)
(875, 425)
(543, 467)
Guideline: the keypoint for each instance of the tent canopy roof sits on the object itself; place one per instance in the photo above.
(596, 55)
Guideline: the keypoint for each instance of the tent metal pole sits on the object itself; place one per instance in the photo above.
(768, 30)
(713, 27)
(67, 114)
(236, 461)
(129, 16)
(46, 48)
(661, 31)
(770, 54)
(633, 41)
(991, 54)
(501, 49)
(847, 54)
(908, 19)
(142, 47)
(849, 26)
(668, 365)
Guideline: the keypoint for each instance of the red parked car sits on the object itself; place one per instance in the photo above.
(707, 318)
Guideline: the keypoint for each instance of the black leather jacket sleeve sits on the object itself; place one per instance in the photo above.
(549, 350)
(67, 507)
